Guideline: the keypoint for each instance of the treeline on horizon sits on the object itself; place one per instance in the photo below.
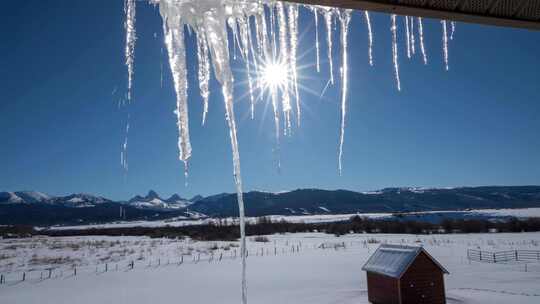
(222, 230)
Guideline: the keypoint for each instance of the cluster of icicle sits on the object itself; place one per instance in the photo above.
(264, 32)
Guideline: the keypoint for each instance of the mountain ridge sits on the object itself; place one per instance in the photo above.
(294, 202)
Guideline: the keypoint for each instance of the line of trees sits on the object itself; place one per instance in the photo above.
(228, 232)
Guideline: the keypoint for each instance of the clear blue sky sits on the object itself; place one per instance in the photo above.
(62, 75)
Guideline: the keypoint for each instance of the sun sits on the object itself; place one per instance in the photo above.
(274, 75)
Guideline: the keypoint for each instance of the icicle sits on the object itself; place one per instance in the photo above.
(344, 18)
(453, 26)
(174, 41)
(255, 66)
(284, 59)
(421, 34)
(220, 56)
(293, 35)
(445, 43)
(204, 71)
(316, 15)
(370, 36)
(413, 40)
(131, 37)
(408, 36)
(395, 51)
(244, 38)
(273, 28)
(123, 153)
(328, 20)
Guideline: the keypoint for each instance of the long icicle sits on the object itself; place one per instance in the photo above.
(413, 39)
(174, 41)
(123, 153)
(131, 37)
(328, 21)
(421, 34)
(244, 38)
(370, 37)
(204, 71)
(293, 35)
(408, 36)
(284, 59)
(445, 43)
(395, 51)
(215, 24)
(345, 18)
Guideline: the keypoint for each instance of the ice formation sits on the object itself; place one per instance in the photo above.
(328, 13)
(265, 33)
(408, 36)
(344, 19)
(445, 42)
(421, 34)
(316, 20)
(123, 153)
(370, 37)
(131, 36)
(393, 29)
(413, 39)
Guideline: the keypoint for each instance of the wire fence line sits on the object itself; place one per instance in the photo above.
(214, 256)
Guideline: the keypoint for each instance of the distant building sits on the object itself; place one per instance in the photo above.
(399, 274)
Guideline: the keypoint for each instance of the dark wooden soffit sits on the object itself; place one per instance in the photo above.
(507, 13)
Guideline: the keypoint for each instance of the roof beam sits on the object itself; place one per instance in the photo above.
(506, 13)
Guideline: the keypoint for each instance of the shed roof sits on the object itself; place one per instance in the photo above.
(394, 260)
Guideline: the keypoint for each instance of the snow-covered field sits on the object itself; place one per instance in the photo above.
(289, 268)
(320, 218)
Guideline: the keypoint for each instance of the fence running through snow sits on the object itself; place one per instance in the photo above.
(523, 256)
(55, 272)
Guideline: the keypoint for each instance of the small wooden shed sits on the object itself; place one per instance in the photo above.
(398, 274)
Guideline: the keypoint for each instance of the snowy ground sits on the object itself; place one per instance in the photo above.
(420, 216)
(293, 268)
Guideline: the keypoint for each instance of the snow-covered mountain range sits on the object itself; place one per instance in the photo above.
(258, 203)
(154, 201)
(80, 200)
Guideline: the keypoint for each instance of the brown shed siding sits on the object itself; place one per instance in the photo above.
(382, 289)
(423, 282)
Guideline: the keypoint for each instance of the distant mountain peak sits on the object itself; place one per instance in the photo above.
(152, 194)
